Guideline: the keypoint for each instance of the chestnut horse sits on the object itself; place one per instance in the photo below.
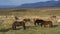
(26, 20)
(45, 23)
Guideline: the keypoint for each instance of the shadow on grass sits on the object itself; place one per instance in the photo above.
(27, 27)
(55, 26)
(5, 30)
(31, 27)
(17, 28)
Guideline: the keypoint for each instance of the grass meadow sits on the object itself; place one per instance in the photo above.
(41, 13)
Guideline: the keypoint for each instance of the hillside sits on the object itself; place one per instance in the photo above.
(40, 4)
(31, 11)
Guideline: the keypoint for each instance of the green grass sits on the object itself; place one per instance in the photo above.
(31, 30)
(30, 11)
(5, 28)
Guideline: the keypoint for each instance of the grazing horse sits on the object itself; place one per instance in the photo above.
(45, 23)
(17, 24)
(26, 20)
(38, 21)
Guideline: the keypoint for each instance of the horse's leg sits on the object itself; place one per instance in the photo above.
(51, 25)
(35, 23)
(38, 23)
(14, 27)
(41, 25)
(24, 26)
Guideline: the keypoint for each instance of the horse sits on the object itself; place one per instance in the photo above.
(17, 24)
(26, 20)
(45, 23)
(38, 21)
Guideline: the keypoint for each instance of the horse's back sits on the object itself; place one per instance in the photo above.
(16, 23)
(47, 23)
(26, 19)
(39, 21)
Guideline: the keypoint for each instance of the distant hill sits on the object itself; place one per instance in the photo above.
(41, 4)
(34, 5)
(7, 6)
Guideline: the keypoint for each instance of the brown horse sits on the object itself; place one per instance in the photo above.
(17, 24)
(26, 20)
(45, 23)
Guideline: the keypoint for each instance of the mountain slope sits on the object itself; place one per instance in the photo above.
(33, 5)
(41, 4)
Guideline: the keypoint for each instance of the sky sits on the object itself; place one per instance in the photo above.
(19, 2)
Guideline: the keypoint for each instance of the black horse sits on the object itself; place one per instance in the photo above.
(38, 21)
(17, 24)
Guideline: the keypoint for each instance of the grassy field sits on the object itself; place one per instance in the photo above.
(42, 13)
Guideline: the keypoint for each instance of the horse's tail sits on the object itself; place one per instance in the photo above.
(24, 25)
